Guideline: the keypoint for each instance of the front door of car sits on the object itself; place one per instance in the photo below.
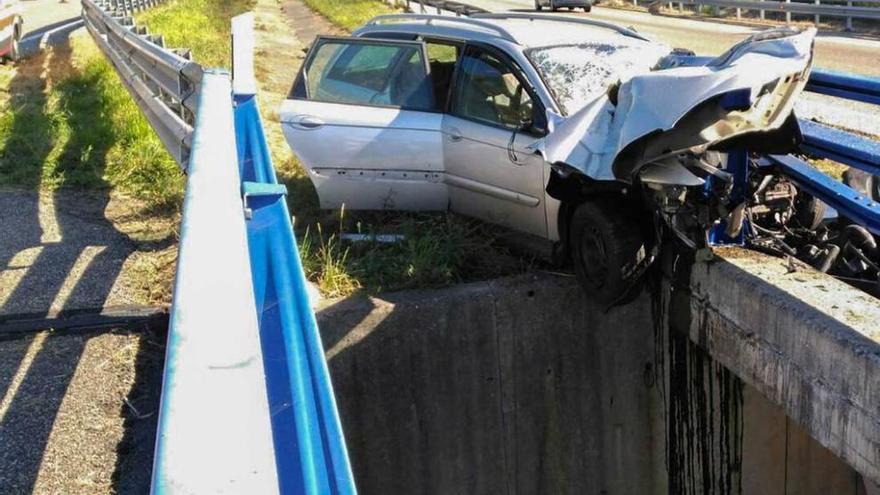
(362, 119)
(493, 119)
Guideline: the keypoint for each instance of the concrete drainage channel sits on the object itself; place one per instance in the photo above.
(523, 386)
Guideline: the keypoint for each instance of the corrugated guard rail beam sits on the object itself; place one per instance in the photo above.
(848, 202)
(310, 449)
(215, 424)
(850, 11)
(849, 86)
(163, 82)
(841, 146)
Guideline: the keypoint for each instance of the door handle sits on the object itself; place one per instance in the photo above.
(307, 122)
(454, 135)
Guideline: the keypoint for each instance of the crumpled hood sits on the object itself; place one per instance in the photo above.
(758, 70)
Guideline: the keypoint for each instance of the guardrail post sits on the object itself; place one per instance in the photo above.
(787, 14)
(761, 12)
(739, 12)
(681, 7)
(849, 19)
(817, 19)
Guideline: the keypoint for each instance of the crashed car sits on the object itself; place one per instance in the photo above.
(594, 141)
(10, 29)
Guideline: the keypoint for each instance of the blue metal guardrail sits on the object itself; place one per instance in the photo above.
(840, 146)
(247, 403)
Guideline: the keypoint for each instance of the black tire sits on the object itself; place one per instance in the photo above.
(606, 246)
(553, 7)
(588, 8)
(538, 6)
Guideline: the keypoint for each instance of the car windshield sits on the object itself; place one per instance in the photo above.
(577, 74)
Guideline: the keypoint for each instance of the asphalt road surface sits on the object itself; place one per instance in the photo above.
(834, 50)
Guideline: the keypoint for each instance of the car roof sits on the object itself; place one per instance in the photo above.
(526, 30)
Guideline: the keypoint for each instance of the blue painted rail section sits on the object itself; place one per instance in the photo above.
(247, 403)
(840, 146)
(309, 446)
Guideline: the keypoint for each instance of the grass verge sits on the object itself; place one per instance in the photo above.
(68, 128)
(349, 14)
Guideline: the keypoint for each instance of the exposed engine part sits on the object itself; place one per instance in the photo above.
(785, 221)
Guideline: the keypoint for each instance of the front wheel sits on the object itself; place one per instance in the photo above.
(588, 8)
(607, 248)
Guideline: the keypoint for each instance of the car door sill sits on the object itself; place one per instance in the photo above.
(497, 192)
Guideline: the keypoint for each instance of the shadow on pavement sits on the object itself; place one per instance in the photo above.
(59, 252)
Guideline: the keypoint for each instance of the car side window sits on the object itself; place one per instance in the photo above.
(489, 91)
(442, 57)
(369, 73)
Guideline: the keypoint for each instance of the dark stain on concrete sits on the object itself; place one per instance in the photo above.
(702, 399)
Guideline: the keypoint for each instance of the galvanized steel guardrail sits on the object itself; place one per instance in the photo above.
(164, 82)
(439, 7)
(247, 403)
(815, 8)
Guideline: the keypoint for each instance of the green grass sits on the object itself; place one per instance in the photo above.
(349, 14)
(436, 250)
(200, 25)
(67, 121)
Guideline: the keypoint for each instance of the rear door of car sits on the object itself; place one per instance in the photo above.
(494, 117)
(363, 120)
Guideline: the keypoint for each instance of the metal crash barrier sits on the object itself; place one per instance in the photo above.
(163, 82)
(247, 405)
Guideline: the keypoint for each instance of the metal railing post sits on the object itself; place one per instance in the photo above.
(817, 19)
(849, 24)
(787, 13)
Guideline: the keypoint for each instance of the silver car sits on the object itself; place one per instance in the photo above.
(593, 142)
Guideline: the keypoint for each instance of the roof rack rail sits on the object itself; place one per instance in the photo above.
(559, 18)
(430, 18)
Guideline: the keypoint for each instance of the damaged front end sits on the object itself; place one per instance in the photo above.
(670, 133)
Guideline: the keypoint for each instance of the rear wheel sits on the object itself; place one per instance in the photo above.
(588, 8)
(538, 6)
(606, 247)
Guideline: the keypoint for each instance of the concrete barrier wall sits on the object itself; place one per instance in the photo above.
(522, 386)
(511, 386)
